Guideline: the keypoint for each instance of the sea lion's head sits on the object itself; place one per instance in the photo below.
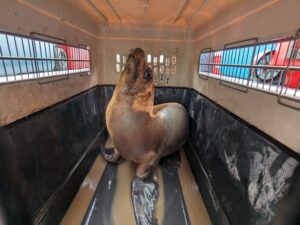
(138, 75)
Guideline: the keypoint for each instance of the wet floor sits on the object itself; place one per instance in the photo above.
(104, 197)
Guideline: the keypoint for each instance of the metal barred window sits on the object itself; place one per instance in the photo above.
(26, 58)
(272, 66)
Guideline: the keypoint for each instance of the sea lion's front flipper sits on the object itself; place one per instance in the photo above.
(144, 194)
(109, 152)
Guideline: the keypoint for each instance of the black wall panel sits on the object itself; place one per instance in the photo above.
(44, 147)
(250, 175)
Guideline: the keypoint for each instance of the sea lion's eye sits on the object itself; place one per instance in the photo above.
(148, 74)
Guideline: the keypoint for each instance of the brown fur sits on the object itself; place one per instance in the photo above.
(140, 131)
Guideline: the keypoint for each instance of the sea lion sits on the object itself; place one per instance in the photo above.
(140, 131)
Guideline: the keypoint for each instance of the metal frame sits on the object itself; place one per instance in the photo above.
(236, 70)
(114, 10)
(38, 56)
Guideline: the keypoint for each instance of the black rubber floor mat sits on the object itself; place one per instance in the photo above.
(100, 209)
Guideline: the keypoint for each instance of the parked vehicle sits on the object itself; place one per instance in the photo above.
(236, 63)
(242, 58)
(280, 56)
(72, 56)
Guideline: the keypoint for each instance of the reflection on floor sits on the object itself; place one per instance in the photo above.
(105, 196)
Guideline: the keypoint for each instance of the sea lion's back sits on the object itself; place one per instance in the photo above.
(175, 119)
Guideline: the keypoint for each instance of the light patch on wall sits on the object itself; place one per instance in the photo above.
(161, 59)
(173, 59)
(118, 68)
(155, 61)
(118, 58)
(149, 58)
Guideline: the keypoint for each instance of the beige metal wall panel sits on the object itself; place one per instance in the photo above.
(170, 27)
(181, 50)
(272, 20)
(23, 98)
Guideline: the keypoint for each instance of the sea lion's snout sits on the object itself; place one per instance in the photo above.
(135, 63)
(137, 53)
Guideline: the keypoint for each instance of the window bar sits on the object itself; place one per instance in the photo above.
(208, 66)
(18, 57)
(52, 62)
(60, 62)
(251, 66)
(294, 53)
(234, 62)
(246, 68)
(77, 51)
(35, 56)
(40, 47)
(77, 59)
(9, 52)
(74, 59)
(64, 60)
(226, 71)
(267, 70)
(89, 58)
(85, 63)
(33, 64)
(232, 67)
(229, 67)
(262, 70)
(254, 40)
(280, 71)
(35, 34)
(81, 60)
(47, 61)
(237, 76)
(4, 66)
(257, 70)
(288, 66)
(26, 61)
(241, 76)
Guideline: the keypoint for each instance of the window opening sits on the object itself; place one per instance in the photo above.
(271, 66)
(24, 58)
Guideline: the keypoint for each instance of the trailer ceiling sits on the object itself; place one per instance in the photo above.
(180, 15)
(157, 13)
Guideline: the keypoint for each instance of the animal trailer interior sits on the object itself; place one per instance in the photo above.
(85, 138)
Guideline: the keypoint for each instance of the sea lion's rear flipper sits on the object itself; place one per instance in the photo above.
(109, 152)
(144, 194)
